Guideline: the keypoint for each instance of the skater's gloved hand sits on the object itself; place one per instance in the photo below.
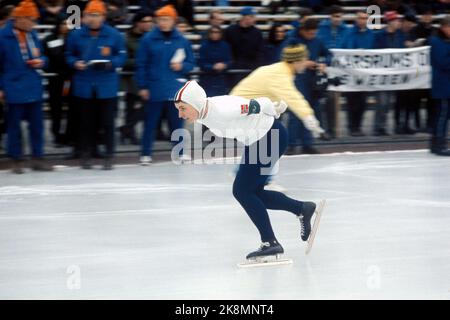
(312, 124)
(280, 107)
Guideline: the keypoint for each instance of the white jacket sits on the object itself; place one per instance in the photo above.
(227, 116)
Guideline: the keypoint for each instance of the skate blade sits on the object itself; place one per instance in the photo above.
(264, 262)
(315, 226)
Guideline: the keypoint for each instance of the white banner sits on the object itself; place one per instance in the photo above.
(381, 69)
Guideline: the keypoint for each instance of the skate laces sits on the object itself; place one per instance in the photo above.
(302, 225)
(264, 244)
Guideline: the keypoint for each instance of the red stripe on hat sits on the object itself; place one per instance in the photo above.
(180, 92)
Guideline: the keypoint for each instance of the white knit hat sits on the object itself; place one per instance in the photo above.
(192, 94)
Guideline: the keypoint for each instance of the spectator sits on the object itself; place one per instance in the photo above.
(183, 26)
(185, 9)
(58, 85)
(21, 83)
(303, 15)
(116, 12)
(216, 19)
(405, 104)
(274, 43)
(5, 13)
(164, 56)
(440, 84)
(50, 11)
(95, 51)
(214, 59)
(357, 37)
(142, 23)
(319, 58)
(421, 35)
(331, 31)
(389, 37)
(246, 42)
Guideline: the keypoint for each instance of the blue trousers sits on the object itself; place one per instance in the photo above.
(248, 186)
(152, 114)
(32, 112)
(442, 107)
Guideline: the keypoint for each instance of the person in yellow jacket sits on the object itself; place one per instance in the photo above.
(276, 82)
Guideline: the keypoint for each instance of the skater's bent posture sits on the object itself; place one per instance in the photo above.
(254, 123)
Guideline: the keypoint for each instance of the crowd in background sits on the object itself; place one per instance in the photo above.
(152, 60)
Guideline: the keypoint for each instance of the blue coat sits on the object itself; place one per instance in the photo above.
(109, 45)
(440, 66)
(153, 70)
(357, 39)
(385, 40)
(330, 39)
(19, 82)
(317, 52)
(212, 52)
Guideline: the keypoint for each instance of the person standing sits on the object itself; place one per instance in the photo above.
(59, 84)
(319, 58)
(357, 37)
(95, 51)
(142, 23)
(21, 84)
(214, 60)
(164, 59)
(440, 84)
(246, 42)
(389, 37)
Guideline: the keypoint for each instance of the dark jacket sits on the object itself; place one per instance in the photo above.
(109, 45)
(385, 40)
(440, 66)
(305, 81)
(54, 49)
(212, 52)
(19, 82)
(247, 45)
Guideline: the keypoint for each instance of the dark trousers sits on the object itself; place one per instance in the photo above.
(73, 132)
(356, 106)
(152, 114)
(442, 108)
(2, 118)
(248, 186)
(405, 107)
(95, 115)
(32, 112)
(56, 101)
(132, 115)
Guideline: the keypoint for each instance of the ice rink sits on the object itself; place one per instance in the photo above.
(176, 232)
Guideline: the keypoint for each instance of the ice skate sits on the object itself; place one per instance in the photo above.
(268, 254)
(308, 233)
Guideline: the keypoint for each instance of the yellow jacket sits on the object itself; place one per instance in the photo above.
(275, 82)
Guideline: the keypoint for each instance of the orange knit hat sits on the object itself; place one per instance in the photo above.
(26, 8)
(167, 11)
(95, 6)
